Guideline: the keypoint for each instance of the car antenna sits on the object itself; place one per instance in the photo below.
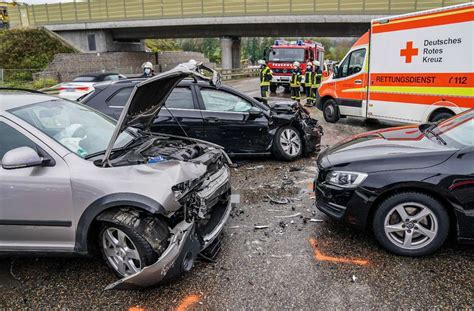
(176, 120)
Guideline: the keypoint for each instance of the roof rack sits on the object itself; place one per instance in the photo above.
(20, 89)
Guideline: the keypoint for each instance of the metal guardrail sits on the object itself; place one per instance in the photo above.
(122, 10)
(229, 74)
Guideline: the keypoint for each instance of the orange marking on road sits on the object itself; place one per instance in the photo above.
(321, 257)
(136, 309)
(187, 302)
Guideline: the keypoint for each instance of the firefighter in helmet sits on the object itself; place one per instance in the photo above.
(147, 70)
(308, 82)
(266, 76)
(295, 82)
(317, 76)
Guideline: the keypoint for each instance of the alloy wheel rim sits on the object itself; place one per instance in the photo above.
(411, 225)
(290, 142)
(121, 252)
(329, 111)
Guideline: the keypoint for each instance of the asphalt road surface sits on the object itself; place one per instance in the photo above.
(295, 263)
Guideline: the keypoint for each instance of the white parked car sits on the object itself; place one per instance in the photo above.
(84, 84)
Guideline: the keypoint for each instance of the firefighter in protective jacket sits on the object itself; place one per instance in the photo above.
(308, 81)
(317, 76)
(266, 76)
(295, 82)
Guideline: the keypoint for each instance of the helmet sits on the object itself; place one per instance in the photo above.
(297, 64)
(316, 63)
(261, 62)
(147, 65)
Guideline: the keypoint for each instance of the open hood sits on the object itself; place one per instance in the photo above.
(149, 96)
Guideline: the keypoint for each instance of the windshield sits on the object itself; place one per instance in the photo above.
(84, 79)
(286, 55)
(76, 127)
(458, 129)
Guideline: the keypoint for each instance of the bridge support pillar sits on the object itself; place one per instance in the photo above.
(230, 52)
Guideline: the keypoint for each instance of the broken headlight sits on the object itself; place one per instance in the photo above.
(182, 189)
(345, 179)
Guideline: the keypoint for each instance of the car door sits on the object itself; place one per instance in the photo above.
(36, 210)
(227, 122)
(116, 102)
(461, 186)
(351, 84)
(180, 115)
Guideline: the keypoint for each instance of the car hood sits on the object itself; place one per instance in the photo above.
(282, 106)
(389, 149)
(149, 96)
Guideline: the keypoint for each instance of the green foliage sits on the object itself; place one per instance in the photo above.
(30, 49)
(159, 45)
(44, 82)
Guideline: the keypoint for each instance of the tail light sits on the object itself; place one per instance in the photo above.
(76, 88)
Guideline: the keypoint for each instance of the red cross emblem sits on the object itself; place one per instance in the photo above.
(408, 52)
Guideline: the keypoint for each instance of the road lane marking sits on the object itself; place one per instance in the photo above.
(321, 257)
(187, 302)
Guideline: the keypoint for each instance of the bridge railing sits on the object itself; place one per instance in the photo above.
(122, 10)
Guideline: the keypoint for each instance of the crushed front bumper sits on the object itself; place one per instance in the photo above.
(312, 134)
(184, 245)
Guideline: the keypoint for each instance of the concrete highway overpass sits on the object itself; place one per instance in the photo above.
(120, 25)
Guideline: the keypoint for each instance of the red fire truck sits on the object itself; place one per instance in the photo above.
(282, 54)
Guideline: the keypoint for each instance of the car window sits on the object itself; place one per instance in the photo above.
(215, 100)
(356, 62)
(119, 99)
(76, 127)
(458, 129)
(111, 78)
(11, 139)
(180, 97)
(352, 64)
(84, 79)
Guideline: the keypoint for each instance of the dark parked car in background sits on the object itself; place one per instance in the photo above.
(241, 124)
(411, 185)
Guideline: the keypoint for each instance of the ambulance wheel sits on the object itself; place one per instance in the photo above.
(331, 111)
(273, 88)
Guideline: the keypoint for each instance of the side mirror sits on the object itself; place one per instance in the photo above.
(255, 113)
(20, 158)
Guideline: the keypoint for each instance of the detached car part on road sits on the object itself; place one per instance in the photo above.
(410, 185)
(241, 124)
(75, 181)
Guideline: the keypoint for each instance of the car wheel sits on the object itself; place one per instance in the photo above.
(287, 144)
(411, 224)
(331, 111)
(273, 88)
(440, 116)
(124, 250)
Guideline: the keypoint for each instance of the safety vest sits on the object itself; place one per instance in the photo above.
(295, 80)
(317, 78)
(266, 76)
(308, 78)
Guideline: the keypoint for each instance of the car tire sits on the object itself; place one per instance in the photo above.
(440, 116)
(331, 111)
(138, 252)
(273, 88)
(424, 230)
(287, 143)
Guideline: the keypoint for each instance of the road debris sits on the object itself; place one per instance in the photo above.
(288, 216)
(354, 278)
(261, 227)
(316, 220)
(258, 167)
(278, 201)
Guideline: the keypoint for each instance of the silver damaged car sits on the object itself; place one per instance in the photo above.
(73, 180)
